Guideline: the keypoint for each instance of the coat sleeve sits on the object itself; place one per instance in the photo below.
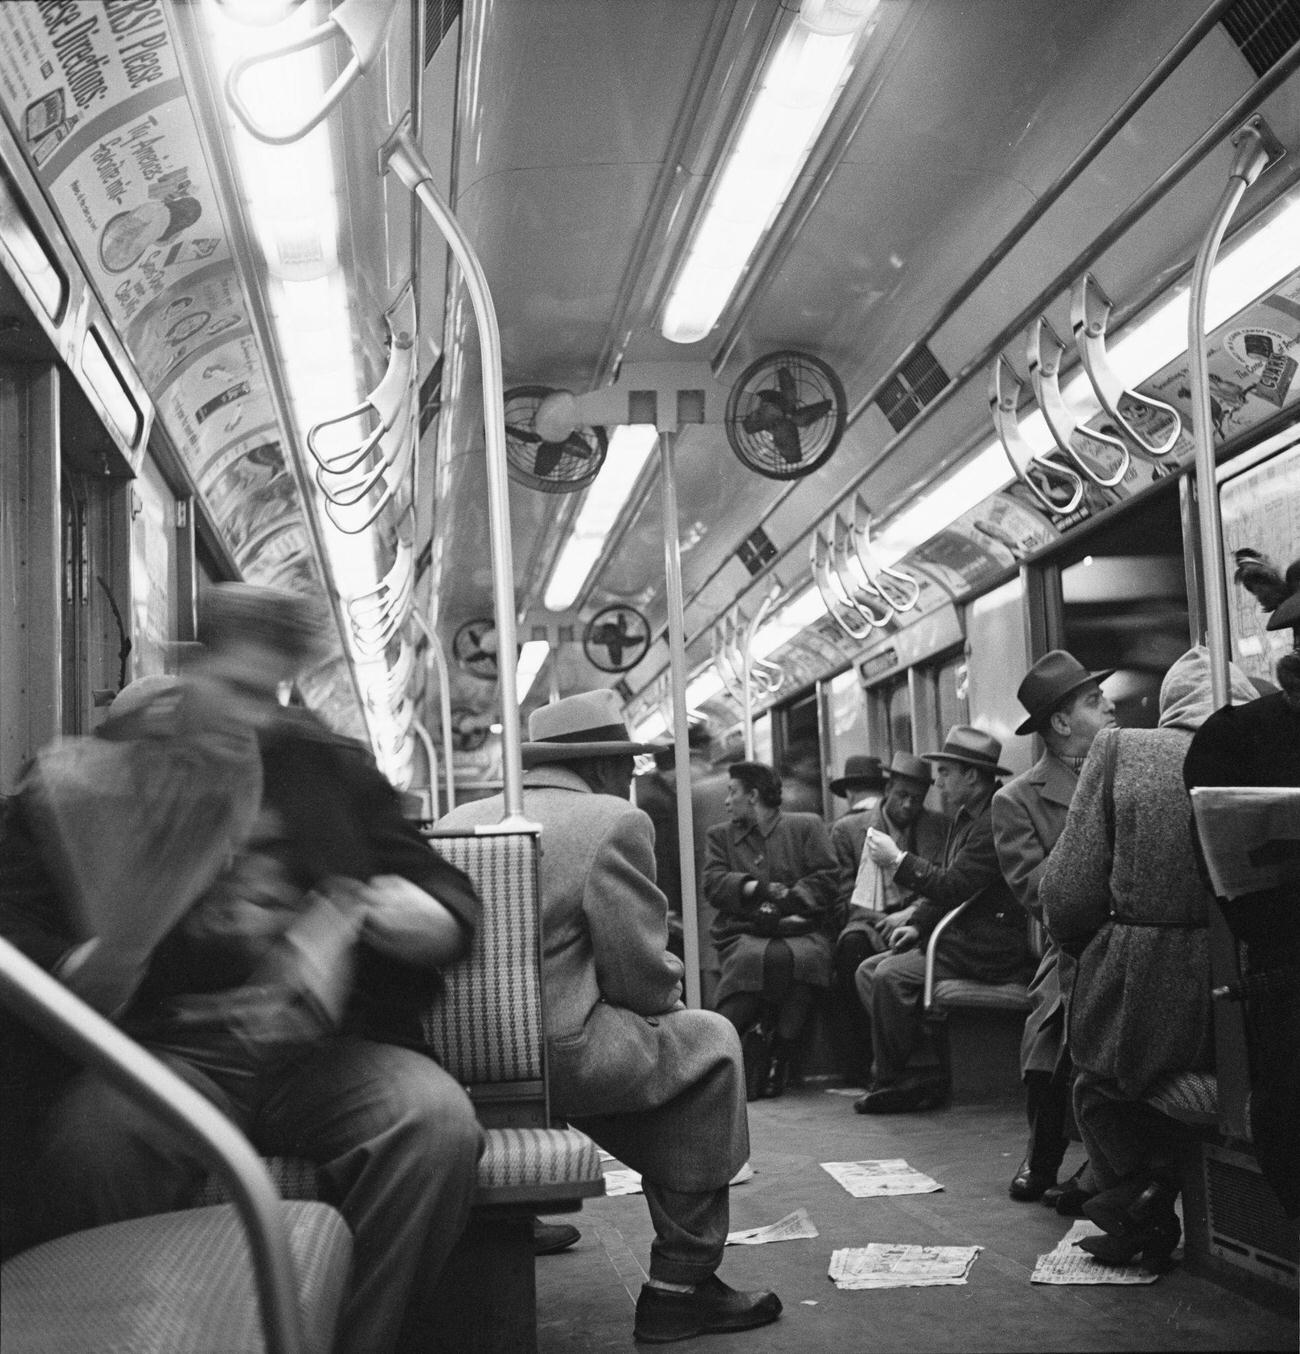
(973, 868)
(722, 883)
(847, 863)
(627, 918)
(817, 891)
(1075, 886)
(1020, 850)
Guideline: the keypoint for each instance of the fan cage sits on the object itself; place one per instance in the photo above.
(814, 381)
(572, 470)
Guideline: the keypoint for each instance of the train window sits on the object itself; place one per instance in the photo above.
(950, 693)
(846, 725)
(1124, 605)
(799, 755)
(103, 377)
(30, 254)
(890, 717)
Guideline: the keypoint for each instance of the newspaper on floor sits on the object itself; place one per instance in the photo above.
(1066, 1264)
(868, 1179)
(746, 1172)
(622, 1181)
(793, 1227)
(880, 1265)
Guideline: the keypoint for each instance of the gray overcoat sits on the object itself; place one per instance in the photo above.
(659, 1086)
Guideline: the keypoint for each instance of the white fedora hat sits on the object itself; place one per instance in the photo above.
(589, 724)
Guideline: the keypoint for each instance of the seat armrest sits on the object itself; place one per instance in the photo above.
(931, 948)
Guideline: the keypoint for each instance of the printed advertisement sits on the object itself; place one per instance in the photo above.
(190, 320)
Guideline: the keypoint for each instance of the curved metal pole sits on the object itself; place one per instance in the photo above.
(402, 155)
(438, 660)
(81, 1032)
(431, 763)
(681, 727)
(1251, 159)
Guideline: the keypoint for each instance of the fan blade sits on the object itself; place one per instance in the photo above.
(523, 434)
(810, 413)
(785, 437)
(548, 458)
(576, 445)
(766, 415)
(789, 390)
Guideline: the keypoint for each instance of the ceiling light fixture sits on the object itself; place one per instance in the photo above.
(629, 449)
(796, 91)
(531, 657)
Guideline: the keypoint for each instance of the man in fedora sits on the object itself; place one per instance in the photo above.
(988, 942)
(659, 1086)
(872, 903)
(863, 785)
(1067, 709)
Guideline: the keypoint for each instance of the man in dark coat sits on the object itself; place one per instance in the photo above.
(863, 785)
(1067, 708)
(331, 896)
(873, 904)
(988, 942)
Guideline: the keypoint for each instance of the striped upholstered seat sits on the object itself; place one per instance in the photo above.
(966, 994)
(176, 1283)
(1192, 1097)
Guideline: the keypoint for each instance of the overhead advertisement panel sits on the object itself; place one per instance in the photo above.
(92, 92)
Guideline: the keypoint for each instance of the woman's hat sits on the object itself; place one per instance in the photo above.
(914, 768)
(589, 724)
(972, 747)
(865, 772)
(1049, 682)
(1288, 612)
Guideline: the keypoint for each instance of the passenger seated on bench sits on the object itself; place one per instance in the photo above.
(871, 902)
(1122, 893)
(772, 877)
(988, 942)
(655, 1084)
(285, 986)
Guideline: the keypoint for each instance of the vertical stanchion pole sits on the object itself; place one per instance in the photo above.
(681, 729)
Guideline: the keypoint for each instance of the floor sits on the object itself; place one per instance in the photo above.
(585, 1296)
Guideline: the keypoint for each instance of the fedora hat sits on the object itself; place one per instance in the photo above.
(1287, 613)
(972, 747)
(864, 771)
(589, 724)
(914, 768)
(1049, 682)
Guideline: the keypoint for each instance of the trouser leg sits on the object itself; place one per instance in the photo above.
(690, 1232)
(890, 987)
(850, 1024)
(742, 1009)
(1122, 1137)
(1047, 1101)
(104, 1158)
(397, 1143)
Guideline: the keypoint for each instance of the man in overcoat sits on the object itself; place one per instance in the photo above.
(863, 785)
(873, 904)
(659, 1086)
(988, 942)
(1067, 709)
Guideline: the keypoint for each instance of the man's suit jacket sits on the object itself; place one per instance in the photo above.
(619, 1040)
(1029, 815)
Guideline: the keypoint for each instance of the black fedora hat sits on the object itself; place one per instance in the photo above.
(1049, 682)
(588, 724)
(1287, 613)
(864, 771)
(913, 768)
(970, 746)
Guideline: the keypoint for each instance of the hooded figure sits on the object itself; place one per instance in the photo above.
(1122, 892)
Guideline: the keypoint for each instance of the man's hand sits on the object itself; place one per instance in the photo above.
(882, 849)
(904, 938)
(891, 921)
(767, 919)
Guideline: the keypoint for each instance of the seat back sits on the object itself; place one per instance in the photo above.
(487, 1027)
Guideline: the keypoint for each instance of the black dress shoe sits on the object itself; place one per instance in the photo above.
(1069, 1198)
(1139, 1221)
(551, 1237)
(1028, 1184)
(663, 1316)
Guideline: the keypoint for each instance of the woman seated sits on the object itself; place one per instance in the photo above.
(1122, 892)
(772, 877)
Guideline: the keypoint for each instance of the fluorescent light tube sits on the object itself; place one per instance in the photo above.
(629, 449)
(531, 657)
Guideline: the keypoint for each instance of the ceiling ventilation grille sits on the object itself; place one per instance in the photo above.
(1263, 29)
(756, 551)
(918, 382)
(439, 15)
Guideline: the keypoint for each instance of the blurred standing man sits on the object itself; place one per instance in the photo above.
(656, 793)
(988, 942)
(1067, 708)
(871, 902)
(655, 1084)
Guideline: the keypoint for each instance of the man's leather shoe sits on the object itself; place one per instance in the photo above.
(663, 1316)
(550, 1237)
(902, 1096)
(1069, 1198)
(1028, 1184)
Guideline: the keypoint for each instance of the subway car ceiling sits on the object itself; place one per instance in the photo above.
(963, 182)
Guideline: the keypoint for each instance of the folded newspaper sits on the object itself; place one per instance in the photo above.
(879, 1265)
(870, 1179)
(1250, 836)
(794, 1226)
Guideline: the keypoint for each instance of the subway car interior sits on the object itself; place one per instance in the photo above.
(802, 371)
